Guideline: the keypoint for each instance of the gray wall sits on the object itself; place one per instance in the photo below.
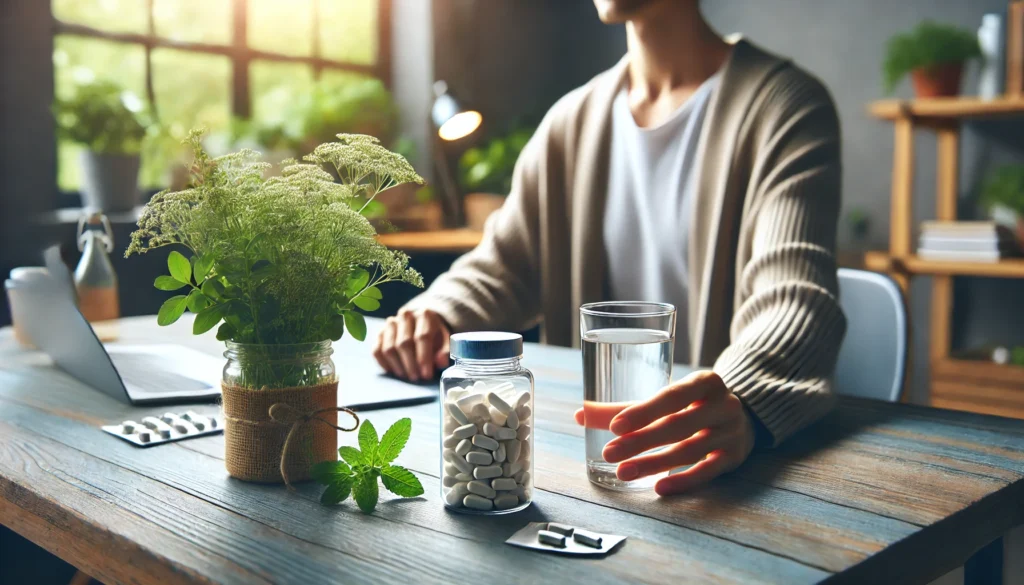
(843, 43)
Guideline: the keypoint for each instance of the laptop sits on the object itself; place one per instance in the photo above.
(136, 374)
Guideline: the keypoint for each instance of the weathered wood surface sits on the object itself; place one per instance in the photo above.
(875, 493)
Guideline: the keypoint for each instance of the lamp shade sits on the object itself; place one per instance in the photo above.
(451, 120)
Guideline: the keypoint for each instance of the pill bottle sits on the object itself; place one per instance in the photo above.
(487, 425)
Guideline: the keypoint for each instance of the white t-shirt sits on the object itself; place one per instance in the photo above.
(651, 182)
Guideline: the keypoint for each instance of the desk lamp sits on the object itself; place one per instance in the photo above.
(453, 123)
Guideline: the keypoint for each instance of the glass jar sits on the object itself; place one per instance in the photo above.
(487, 425)
(291, 365)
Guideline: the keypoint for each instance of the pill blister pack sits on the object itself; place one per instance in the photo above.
(167, 428)
(564, 539)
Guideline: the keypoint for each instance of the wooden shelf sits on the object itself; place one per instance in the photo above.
(1005, 268)
(456, 241)
(947, 108)
(978, 386)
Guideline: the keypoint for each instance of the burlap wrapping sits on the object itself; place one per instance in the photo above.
(254, 442)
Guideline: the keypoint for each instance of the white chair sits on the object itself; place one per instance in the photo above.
(873, 359)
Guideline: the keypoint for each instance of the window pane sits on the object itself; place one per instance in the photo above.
(348, 31)
(198, 21)
(80, 60)
(192, 90)
(281, 27)
(108, 15)
(275, 89)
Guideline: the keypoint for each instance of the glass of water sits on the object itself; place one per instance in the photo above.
(627, 357)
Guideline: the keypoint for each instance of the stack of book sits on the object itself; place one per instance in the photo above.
(966, 241)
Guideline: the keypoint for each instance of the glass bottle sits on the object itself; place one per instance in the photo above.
(487, 425)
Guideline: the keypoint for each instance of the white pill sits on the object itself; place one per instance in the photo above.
(464, 477)
(552, 538)
(524, 478)
(496, 416)
(504, 484)
(164, 433)
(521, 400)
(524, 451)
(479, 413)
(467, 402)
(487, 472)
(455, 495)
(587, 538)
(480, 384)
(506, 501)
(456, 393)
(498, 403)
(199, 423)
(481, 488)
(128, 427)
(182, 427)
(447, 454)
(513, 448)
(485, 442)
(153, 423)
(449, 481)
(450, 441)
(465, 431)
(450, 424)
(524, 412)
(491, 429)
(523, 432)
(510, 469)
(450, 469)
(456, 412)
(145, 436)
(523, 493)
(190, 416)
(563, 529)
(505, 434)
(169, 417)
(499, 455)
(464, 446)
(512, 420)
(463, 465)
(477, 502)
(503, 387)
(478, 458)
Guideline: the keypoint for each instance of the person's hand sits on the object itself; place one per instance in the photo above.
(413, 344)
(699, 421)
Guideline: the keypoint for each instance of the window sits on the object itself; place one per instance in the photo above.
(204, 62)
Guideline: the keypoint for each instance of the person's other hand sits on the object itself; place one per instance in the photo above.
(698, 421)
(412, 344)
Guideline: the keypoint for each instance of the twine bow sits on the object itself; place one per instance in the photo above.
(287, 414)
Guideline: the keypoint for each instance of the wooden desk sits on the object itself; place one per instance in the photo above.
(875, 493)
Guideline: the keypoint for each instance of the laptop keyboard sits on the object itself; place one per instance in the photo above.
(147, 373)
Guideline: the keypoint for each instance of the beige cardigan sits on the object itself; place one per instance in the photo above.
(763, 295)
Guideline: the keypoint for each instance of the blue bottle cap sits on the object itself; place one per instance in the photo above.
(486, 345)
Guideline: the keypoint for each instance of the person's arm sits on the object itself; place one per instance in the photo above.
(494, 286)
(786, 331)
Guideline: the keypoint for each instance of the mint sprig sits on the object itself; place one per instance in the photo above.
(357, 474)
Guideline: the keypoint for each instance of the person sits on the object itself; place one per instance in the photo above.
(696, 172)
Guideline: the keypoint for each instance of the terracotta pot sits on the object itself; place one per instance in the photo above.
(938, 81)
(480, 206)
(1020, 232)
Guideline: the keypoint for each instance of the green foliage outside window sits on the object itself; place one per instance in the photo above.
(488, 169)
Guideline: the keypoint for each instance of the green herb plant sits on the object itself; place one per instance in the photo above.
(357, 474)
(103, 117)
(928, 46)
(1005, 186)
(280, 260)
(489, 169)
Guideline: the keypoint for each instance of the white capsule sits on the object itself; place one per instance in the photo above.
(465, 431)
(504, 484)
(463, 465)
(478, 458)
(479, 385)
(455, 495)
(512, 420)
(487, 472)
(447, 454)
(485, 442)
(190, 416)
(450, 469)
(479, 413)
(587, 538)
(524, 451)
(513, 448)
(523, 493)
(481, 488)
(153, 423)
(199, 423)
(145, 436)
(450, 441)
(523, 431)
(456, 393)
(182, 427)
(449, 481)
(498, 403)
(456, 412)
(464, 477)
(552, 538)
(128, 427)
(505, 434)
(524, 412)
(490, 429)
(503, 387)
(506, 501)
(523, 477)
(477, 502)
(522, 399)
(464, 446)
(499, 455)
(510, 469)
(169, 417)
(467, 402)
(496, 415)
(563, 529)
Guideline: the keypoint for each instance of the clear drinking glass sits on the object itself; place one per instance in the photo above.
(627, 357)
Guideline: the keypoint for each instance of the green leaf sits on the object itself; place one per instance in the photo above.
(337, 491)
(365, 492)
(394, 440)
(196, 301)
(356, 324)
(356, 281)
(213, 289)
(400, 481)
(225, 332)
(335, 327)
(202, 267)
(352, 456)
(180, 267)
(327, 472)
(366, 303)
(171, 310)
(165, 282)
(206, 319)
(372, 292)
(368, 441)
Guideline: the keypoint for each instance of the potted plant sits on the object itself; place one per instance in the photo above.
(1003, 194)
(934, 56)
(485, 173)
(281, 266)
(111, 124)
